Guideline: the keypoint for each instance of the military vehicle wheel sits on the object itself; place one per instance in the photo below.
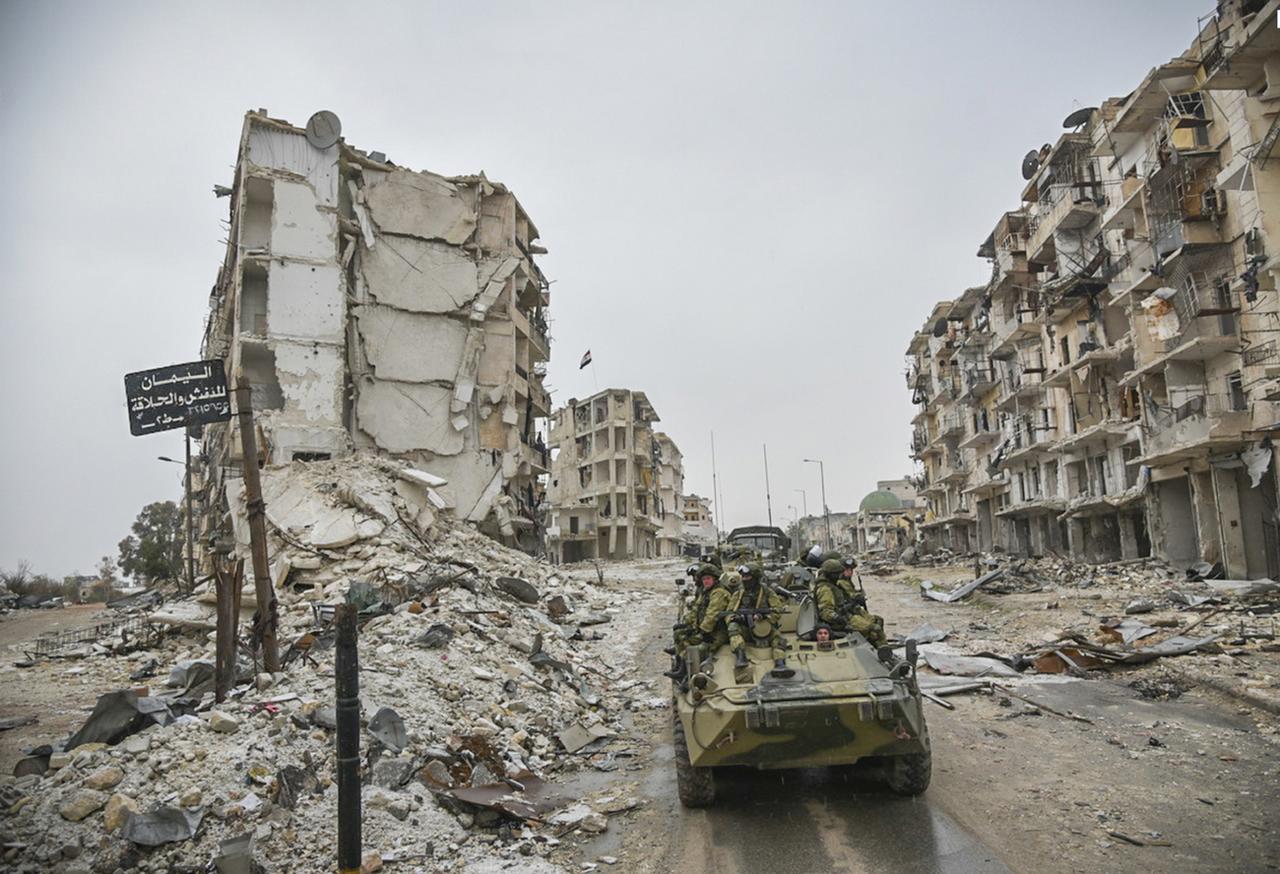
(695, 786)
(910, 774)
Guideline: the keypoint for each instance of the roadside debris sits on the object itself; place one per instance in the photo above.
(488, 678)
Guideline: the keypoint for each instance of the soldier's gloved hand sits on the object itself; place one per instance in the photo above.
(677, 626)
(860, 600)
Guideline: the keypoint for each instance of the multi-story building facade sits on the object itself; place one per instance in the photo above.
(699, 525)
(375, 309)
(670, 496)
(604, 499)
(1112, 391)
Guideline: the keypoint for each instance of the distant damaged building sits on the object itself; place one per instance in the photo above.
(615, 484)
(375, 309)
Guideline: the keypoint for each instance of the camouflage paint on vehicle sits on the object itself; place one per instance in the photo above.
(841, 705)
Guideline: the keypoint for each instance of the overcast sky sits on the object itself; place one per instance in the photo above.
(749, 206)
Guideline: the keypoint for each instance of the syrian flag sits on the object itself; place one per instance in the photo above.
(586, 359)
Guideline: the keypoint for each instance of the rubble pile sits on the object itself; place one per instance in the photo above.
(486, 679)
(1117, 615)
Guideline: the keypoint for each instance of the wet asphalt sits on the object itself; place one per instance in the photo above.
(828, 819)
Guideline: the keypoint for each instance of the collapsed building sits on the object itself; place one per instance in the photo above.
(379, 310)
(1112, 392)
(614, 483)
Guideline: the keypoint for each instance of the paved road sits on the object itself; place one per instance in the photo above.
(811, 820)
(819, 820)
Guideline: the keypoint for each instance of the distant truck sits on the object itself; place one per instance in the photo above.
(768, 541)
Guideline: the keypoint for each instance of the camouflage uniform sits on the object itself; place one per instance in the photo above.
(837, 608)
(740, 626)
(689, 633)
(711, 623)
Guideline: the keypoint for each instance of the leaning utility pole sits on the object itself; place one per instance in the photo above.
(262, 586)
(768, 500)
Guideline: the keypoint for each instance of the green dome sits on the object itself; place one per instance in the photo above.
(880, 500)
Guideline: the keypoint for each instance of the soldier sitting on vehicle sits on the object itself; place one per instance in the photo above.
(742, 625)
(688, 631)
(842, 611)
(713, 632)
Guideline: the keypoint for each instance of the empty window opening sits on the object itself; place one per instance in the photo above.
(253, 299)
(255, 233)
(258, 364)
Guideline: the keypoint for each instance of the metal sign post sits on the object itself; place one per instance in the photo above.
(346, 675)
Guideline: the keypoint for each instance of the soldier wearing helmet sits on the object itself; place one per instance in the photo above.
(840, 610)
(688, 632)
(743, 624)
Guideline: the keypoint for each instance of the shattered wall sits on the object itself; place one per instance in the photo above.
(380, 310)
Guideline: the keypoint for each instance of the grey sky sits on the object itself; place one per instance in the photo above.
(749, 206)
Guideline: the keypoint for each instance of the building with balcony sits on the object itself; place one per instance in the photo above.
(699, 525)
(606, 495)
(1128, 397)
(379, 310)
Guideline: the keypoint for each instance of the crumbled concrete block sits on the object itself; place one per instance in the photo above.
(81, 804)
(223, 722)
(104, 778)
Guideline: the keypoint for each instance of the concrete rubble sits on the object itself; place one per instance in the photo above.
(1082, 619)
(472, 688)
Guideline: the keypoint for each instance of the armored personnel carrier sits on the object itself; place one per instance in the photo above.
(838, 701)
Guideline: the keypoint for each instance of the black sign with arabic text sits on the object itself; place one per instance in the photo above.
(177, 396)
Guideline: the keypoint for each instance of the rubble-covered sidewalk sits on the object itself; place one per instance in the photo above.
(1059, 733)
(487, 679)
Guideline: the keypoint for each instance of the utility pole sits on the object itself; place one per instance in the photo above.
(795, 526)
(262, 586)
(826, 512)
(715, 489)
(768, 501)
(191, 540)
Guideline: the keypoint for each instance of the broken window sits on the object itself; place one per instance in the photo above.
(255, 228)
(573, 524)
(1235, 392)
(258, 365)
(253, 299)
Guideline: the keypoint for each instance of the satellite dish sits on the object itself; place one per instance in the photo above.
(1030, 163)
(323, 129)
(940, 328)
(1079, 117)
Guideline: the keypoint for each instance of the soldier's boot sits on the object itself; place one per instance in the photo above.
(741, 661)
(677, 668)
(780, 669)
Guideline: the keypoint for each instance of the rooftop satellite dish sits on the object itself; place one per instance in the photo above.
(1079, 117)
(1030, 163)
(323, 129)
(940, 328)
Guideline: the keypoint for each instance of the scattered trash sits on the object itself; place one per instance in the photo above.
(926, 633)
(388, 727)
(118, 715)
(165, 825)
(928, 589)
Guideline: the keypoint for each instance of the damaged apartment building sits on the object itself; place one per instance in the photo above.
(379, 310)
(615, 485)
(1113, 391)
